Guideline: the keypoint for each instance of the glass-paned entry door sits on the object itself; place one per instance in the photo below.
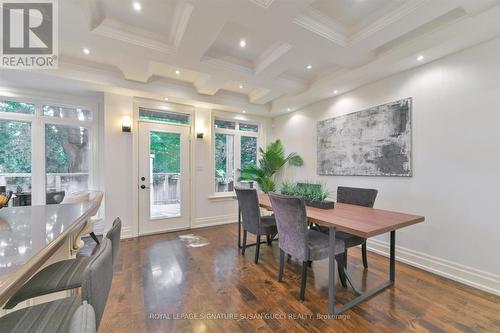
(163, 177)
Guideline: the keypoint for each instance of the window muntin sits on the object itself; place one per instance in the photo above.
(69, 113)
(225, 124)
(245, 127)
(235, 147)
(17, 107)
(164, 116)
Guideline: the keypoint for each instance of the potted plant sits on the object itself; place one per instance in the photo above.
(271, 161)
(313, 194)
(221, 180)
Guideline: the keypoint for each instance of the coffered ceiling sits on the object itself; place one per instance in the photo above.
(263, 56)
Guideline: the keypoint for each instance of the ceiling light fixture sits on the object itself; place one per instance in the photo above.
(244, 111)
(241, 86)
(335, 92)
(309, 66)
(166, 98)
(243, 43)
(137, 6)
(177, 72)
(86, 51)
(420, 58)
(289, 109)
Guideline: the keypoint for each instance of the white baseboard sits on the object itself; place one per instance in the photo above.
(127, 232)
(211, 221)
(451, 270)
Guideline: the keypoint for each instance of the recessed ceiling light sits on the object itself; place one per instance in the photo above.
(166, 98)
(335, 92)
(177, 72)
(244, 111)
(86, 51)
(243, 43)
(289, 109)
(420, 58)
(309, 66)
(137, 6)
(241, 86)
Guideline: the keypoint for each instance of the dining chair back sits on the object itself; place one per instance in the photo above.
(54, 198)
(291, 220)
(250, 211)
(357, 196)
(113, 235)
(97, 279)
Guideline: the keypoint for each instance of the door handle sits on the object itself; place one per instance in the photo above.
(144, 186)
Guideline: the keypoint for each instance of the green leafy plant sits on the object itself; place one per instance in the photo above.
(272, 160)
(309, 191)
(221, 176)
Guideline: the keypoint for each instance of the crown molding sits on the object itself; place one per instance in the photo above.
(228, 65)
(182, 14)
(385, 21)
(122, 32)
(314, 21)
(92, 11)
(323, 26)
(270, 55)
(263, 3)
(263, 95)
(293, 83)
(104, 26)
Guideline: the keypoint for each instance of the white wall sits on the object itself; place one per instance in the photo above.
(456, 162)
(119, 162)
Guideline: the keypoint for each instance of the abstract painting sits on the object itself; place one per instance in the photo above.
(372, 142)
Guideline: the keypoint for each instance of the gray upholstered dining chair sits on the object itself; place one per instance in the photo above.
(360, 197)
(297, 240)
(252, 220)
(65, 274)
(59, 316)
(65, 315)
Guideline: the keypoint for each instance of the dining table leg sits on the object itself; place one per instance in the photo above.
(239, 227)
(331, 272)
(392, 262)
(367, 294)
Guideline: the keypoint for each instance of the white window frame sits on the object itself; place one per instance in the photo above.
(237, 133)
(39, 121)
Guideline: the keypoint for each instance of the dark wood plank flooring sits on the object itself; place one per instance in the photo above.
(160, 277)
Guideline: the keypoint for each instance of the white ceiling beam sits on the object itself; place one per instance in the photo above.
(438, 43)
(209, 84)
(92, 11)
(98, 78)
(263, 96)
(134, 70)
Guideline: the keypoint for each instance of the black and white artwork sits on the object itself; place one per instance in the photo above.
(372, 142)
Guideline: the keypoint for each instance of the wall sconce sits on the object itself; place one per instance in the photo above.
(126, 124)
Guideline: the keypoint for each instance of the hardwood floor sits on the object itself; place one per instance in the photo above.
(159, 277)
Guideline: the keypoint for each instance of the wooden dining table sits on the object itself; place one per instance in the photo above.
(360, 221)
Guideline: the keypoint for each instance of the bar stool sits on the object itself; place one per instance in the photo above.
(69, 314)
(65, 274)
